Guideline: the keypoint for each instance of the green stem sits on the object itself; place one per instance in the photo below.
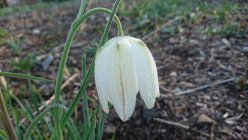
(107, 28)
(5, 120)
(68, 43)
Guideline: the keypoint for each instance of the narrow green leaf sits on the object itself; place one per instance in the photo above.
(74, 130)
(86, 121)
(91, 131)
(100, 123)
(113, 137)
(40, 117)
(34, 99)
(26, 111)
(3, 135)
(23, 76)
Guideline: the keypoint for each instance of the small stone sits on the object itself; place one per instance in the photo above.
(226, 42)
(173, 40)
(225, 115)
(36, 31)
(205, 119)
(193, 41)
(173, 74)
(245, 49)
(199, 104)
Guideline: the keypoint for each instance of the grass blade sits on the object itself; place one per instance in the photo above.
(86, 119)
(3, 135)
(91, 132)
(34, 99)
(23, 76)
(40, 117)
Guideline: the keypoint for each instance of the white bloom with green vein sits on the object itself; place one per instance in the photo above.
(124, 66)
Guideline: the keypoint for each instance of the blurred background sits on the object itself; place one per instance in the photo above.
(200, 48)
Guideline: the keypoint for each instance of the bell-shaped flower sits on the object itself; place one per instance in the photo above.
(123, 67)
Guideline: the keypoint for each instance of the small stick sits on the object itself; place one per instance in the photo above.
(202, 87)
(50, 100)
(183, 126)
(205, 86)
(172, 123)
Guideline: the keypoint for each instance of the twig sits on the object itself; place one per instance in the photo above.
(183, 126)
(202, 87)
(205, 86)
(50, 100)
(172, 123)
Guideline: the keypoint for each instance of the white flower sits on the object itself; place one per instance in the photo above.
(124, 66)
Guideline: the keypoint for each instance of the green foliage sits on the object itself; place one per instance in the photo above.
(16, 45)
(3, 35)
(152, 13)
(3, 32)
(243, 84)
(22, 76)
(156, 10)
(25, 64)
(3, 135)
(37, 6)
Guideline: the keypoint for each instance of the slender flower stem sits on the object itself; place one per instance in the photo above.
(5, 120)
(107, 28)
(64, 57)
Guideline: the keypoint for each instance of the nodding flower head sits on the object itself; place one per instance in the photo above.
(124, 66)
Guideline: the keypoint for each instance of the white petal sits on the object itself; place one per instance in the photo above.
(122, 80)
(146, 72)
(101, 70)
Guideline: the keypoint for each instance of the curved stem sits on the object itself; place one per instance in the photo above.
(80, 19)
(106, 30)
(63, 61)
